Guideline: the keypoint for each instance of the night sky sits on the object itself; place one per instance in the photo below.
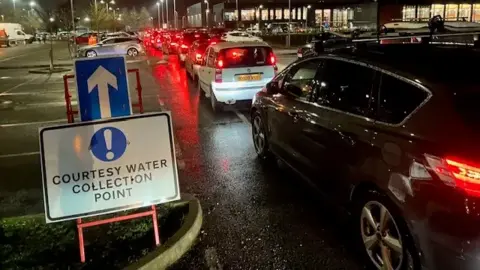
(149, 4)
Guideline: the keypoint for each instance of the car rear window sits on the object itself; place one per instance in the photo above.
(466, 104)
(191, 37)
(246, 56)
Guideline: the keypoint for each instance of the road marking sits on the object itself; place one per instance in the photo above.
(32, 123)
(241, 116)
(17, 86)
(19, 155)
(33, 93)
(44, 104)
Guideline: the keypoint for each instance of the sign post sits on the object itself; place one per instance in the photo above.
(108, 165)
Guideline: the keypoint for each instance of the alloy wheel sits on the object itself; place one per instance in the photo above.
(258, 135)
(132, 52)
(381, 236)
(91, 54)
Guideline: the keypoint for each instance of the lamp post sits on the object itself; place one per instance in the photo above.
(166, 3)
(14, 5)
(52, 19)
(289, 22)
(238, 14)
(259, 12)
(163, 13)
(158, 14)
(306, 15)
(3, 17)
(175, 15)
(207, 11)
(32, 4)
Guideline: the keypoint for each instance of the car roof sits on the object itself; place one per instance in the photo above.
(226, 45)
(429, 64)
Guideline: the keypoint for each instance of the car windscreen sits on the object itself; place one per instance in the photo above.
(246, 56)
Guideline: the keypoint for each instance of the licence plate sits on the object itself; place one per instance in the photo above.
(249, 77)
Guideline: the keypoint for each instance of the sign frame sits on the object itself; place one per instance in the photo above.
(48, 217)
(77, 78)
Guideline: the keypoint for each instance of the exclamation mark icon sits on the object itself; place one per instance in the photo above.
(108, 143)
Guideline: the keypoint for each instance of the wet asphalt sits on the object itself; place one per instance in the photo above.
(257, 215)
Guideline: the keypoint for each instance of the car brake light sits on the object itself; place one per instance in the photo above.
(272, 59)
(218, 74)
(184, 46)
(158, 40)
(198, 56)
(457, 173)
(213, 43)
(173, 44)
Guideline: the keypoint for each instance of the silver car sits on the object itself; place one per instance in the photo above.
(113, 46)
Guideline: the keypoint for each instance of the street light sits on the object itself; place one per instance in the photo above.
(207, 11)
(87, 19)
(3, 17)
(52, 19)
(158, 14)
(306, 15)
(32, 4)
(163, 13)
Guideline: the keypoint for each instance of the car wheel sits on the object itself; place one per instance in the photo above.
(384, 235)
(91, 53)
(216, 106)
(132, 52)
(259, 136)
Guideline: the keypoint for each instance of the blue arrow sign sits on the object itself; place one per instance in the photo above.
(102, 87)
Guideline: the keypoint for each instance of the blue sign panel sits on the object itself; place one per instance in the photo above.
(102, 88)
(108, 144)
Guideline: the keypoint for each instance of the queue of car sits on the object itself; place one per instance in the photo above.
(373, 127)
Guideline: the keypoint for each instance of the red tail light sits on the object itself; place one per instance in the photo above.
(173, 44)
(184, 46)
(159, 40)
(272, 60)
(220, 63)
(218, 75)
(456, 172)
(198, 57)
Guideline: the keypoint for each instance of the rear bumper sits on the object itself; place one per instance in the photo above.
(232, 95)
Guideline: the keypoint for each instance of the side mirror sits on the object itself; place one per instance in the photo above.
(293, 90)
(272, 87)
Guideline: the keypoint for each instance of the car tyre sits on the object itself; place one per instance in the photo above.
(259, 136)
(90, 53)
(391, 241)
(132, 52)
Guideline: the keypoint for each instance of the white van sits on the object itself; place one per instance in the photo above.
(15, 33)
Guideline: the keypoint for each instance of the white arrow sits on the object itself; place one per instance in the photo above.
(102, 78)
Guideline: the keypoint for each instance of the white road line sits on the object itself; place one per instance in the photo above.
(33, 123)
(19, 155)
(241, 116)
(33, 93)
(17, 86)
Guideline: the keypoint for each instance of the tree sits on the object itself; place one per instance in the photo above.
(98, 16)
(64, 19)
(134, 20)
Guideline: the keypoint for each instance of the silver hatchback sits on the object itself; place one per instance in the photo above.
(113, 46)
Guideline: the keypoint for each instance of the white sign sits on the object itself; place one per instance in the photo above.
(93, 168)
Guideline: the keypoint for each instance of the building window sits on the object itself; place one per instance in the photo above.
(264, 14)
(451, 12)
(247, 14)
(229, 16)
(476, 13)
(318, 16)
(327, 14)
(286, 16)
(437, 9)
(408, 13)
(293, 13)
(340, 18)
(305, 10)
(278, 14)
(464, 12)
(423, 13)
(299, 13)
(272, 14)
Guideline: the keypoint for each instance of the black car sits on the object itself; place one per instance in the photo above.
(328, 42)
(390, 132)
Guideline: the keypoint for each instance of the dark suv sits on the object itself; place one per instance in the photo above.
(391, 133)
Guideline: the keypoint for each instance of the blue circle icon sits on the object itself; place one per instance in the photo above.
(108, 144)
